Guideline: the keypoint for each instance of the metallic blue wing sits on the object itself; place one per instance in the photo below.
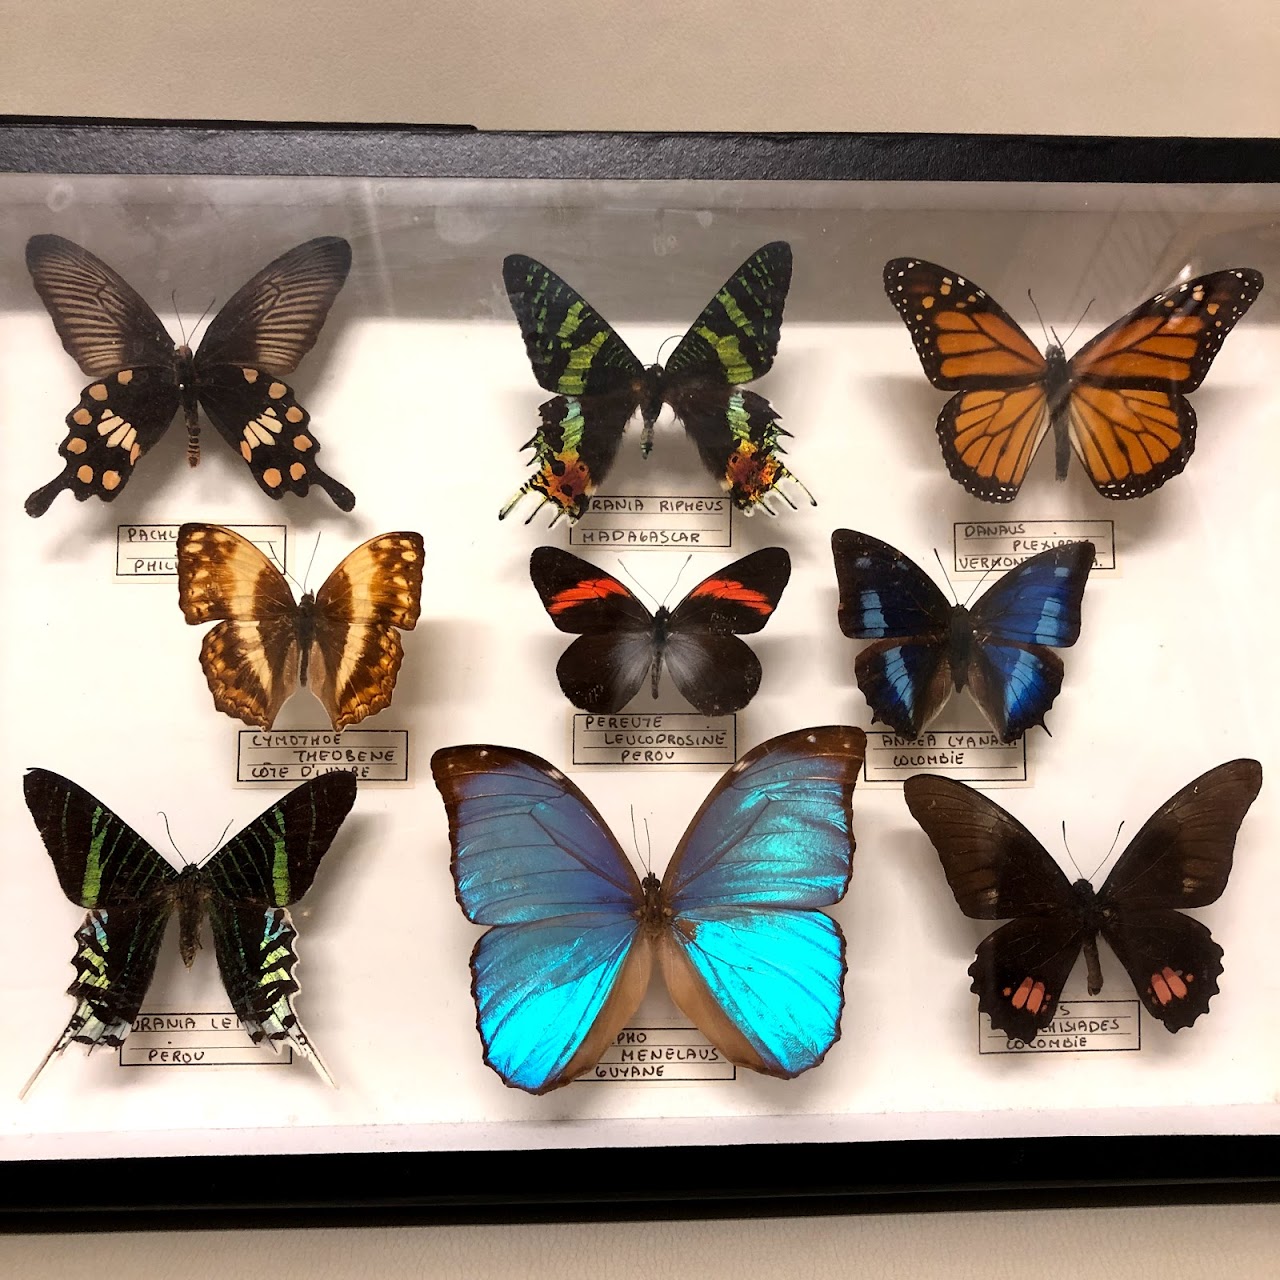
(1038, 602)
(527, 844)
(906, 683)
(541, 988)
(775, 829)
(884, 593)
(776, 975)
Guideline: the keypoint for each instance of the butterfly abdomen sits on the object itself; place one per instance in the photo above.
(660, 637)
(305, 625)
(650, 393)
(189, 897)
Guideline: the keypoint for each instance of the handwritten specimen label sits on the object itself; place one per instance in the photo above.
(994, 546)
(654, 521)
(196, 1040)
(662, 738)
(294, 755)
(1079, 1026)
(150, 550)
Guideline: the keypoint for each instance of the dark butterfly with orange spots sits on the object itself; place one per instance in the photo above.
(1120, 402)
(600, 384)
(141, 378)
(998, 870)
(342, 641)
(620, 642)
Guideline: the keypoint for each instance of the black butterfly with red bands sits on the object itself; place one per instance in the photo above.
(620, 642)
(998, 870)
(141, 378)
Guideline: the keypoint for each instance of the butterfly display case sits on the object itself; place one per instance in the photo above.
(412, 306)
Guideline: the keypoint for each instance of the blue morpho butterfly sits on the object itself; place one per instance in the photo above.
(734, 924)
(927, 647)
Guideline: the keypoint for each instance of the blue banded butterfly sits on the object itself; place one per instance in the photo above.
(735, 924)
(130, 891)
(925, 647)
(998, 870)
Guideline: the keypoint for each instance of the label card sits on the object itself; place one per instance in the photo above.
(653, 521)
(148, 551)
(967, 751)
(196, 1040)
(995, 546)
(1079, 1026)
(649, 1055)
(662, 737)
(294, 755)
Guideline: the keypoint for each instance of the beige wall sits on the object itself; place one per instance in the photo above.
(1092, 66)
(1180, 67)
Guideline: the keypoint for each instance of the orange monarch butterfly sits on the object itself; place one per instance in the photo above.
(1119, 402)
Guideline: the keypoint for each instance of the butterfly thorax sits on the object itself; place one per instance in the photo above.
(305, 623)
(1057, 392)
(654, 917)
(650, 393)
(190, 895)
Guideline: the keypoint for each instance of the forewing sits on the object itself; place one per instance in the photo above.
(775, 830)
(551, 994)
(996, 868)
(1182, 856)
(574, 351)
(273, 861)
(100, 860)
(256, 958)
(527, 844)
(259, 417)
(274, 320)
(737, 437)
(738, 599)
(582, 599)
(1172, 959)
(250, 660)
(766, 987)
(1014, 685)
(117, 420)
(884, 593)
(1021, 968)
(1037, 601)
(379, 582)
(989, 436)
(103, 323)
(965, 340)
(1169, 342)
(735, 337)
(573, 450)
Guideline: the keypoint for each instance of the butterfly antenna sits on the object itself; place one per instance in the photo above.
(221, 838)
(169, 833)
(943, 567)
(203, 314)
(683, 567)
(675, 337)
(978, 587)
(1110, 851)
(307, 577)
(648, 847)
(173, 297)
(639, 587)
(1036, 309)
(1067, 847)
(1079, 322)
(635, 838)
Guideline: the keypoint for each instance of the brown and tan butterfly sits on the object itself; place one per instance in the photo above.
(1119, 402)
(341, 641)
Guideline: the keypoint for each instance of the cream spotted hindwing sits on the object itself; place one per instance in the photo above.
(342, 642)
(141, 378)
